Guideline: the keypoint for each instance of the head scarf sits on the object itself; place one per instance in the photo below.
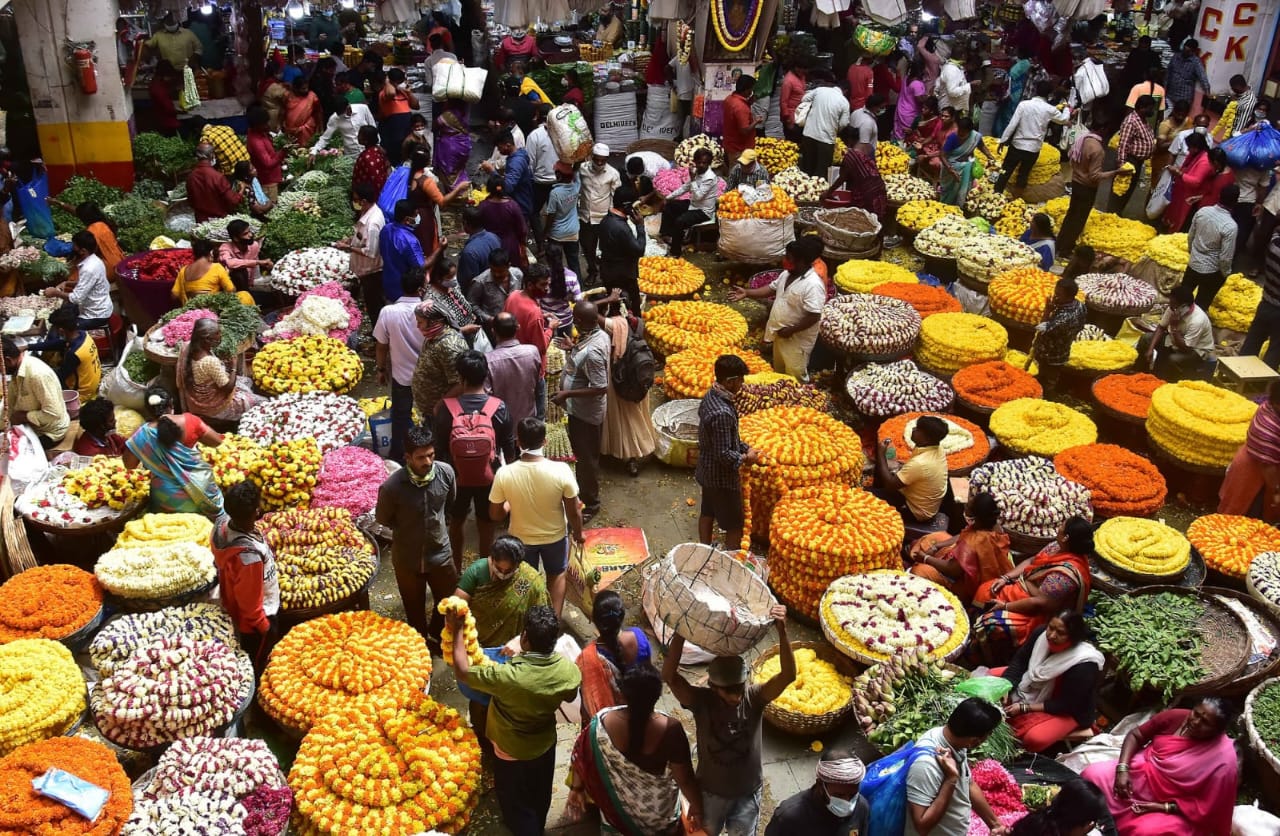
(842, 771)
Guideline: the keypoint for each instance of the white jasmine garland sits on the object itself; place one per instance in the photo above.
(892, 611)
(989, 255)
(958, 438)
(187, 812)
(801, 187)
(1034, 499)
(867, 324)
(333, 420)
(302, 270)
(315, 315)
(943, 237)
(894, 388)
(216, 765)
(121, 636)
(1117, 290)
(159, 571)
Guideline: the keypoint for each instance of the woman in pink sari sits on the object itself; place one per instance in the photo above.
(302, 113)
(913, 93)
(1176, 775)
(1254, 474)
(1191, 182)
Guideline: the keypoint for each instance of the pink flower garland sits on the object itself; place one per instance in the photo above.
(349, 478)
(331, 290)
(1002, 793)
(179, 330)
(670, 179)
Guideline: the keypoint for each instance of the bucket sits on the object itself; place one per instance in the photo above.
(72, 399)
(380, 429)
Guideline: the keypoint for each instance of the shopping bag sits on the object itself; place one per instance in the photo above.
(33, 199)
(1161, 195)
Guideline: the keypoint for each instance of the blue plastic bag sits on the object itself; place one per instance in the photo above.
(885, 789)
(33, 197)
(57, 249)
(1254, 148)
(395, 189)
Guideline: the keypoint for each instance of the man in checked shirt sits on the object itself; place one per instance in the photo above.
(1136, 144)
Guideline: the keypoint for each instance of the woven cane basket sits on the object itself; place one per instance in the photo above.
(712, 599)
(811, 725)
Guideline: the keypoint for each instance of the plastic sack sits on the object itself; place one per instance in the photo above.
(1091, 81)
(874, 40)
(990, 688)
(885, 789)
(78, 794)
(395, 189)
(57, 249)
(886, 12)
(1258, 148)
(756, 240)
(570, 134)
(1250, 821)
(33, 199)
(1161, 196)
(448, 80)
(473, 79)
(27, 460)
(118, 387)
(189, 98)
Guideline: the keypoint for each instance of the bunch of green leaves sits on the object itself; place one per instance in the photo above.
(1155, 639)
(341, 169)
(46, 269)
(139, 368)
(149, 189)
(79, 190)
(138, 221)
(295, 231)
(161, 157)
(1266, 716)
(335, 200)
(239, 322)
(1002, 744)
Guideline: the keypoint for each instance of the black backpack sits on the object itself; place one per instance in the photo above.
(633, 374)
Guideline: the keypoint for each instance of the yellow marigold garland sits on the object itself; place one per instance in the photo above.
(1234, 306)
(1041, 428)
(162, 529)
(41, 692)
(690, 373)
(1142, 546)
(1101, 355)
(306, 364)
(1169, 251)
(819, 688)
(106, 482)
(915, 215)
(675, 326)
(1021, 294)
(1229, 543)
(951, 341)
(862, 275)
(1199, 423)
(662, 276)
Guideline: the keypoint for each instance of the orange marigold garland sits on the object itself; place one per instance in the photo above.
(1128, 394)
(960, 455)
(378, 766)
(994, 383)
(24, 811)
(925, 298)
(48, 602)
(1120, 482)
(690, 373)
(823, 532)
(1229, 543)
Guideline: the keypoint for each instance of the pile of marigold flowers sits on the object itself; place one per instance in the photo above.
(1021, 295)
(1229, 543)
(1143, 547)
(23, 810)
(991, 384)
(662, 276)
(1128, 394)
(48, 602)
(1169, 251)
(1101, 355)
(306, 364)
(106, 482)
(733, 208)
(1120, 482)
(915, 215)
(690, 373)
(927, 299)
(1199, 423)
(965, 446)
(675, 326)
(951, 341)
(1041, 428)
(43, 692)
(1235, 304)
(858, 275)
(822, 532)
(322, 664)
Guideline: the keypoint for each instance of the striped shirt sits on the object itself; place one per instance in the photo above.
(1212, 240)
(1245, 103)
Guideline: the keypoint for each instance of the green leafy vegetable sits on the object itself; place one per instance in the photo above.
(46, 269)
(150, 189)
(1154, 638)
(137, 220)
(296, 231)
(161, 157)
(1266, 716)
(239, 322)
(79, 190)
(139, 368)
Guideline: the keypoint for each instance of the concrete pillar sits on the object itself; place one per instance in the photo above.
(79, 133)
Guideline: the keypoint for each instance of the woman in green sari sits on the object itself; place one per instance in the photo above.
(956, 175)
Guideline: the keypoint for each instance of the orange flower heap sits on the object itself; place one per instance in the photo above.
(1120, 482)
(324, 663)
(690, 373)
(675, 326)
(925, 298)
(1021, 294)
(961, 453)
(799, 446)
(48, 602)
(1128, 394)
(662, 276)
(24, 811)
(992, 384)
(380, 766)
(822, 532)
(733, 208)
(1229, 543)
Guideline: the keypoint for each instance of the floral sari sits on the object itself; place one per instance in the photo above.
(1060, 575)
(633, 801)
(181, 480)
(499, 605)
(983, 556)
(602, 673)
(223, 395)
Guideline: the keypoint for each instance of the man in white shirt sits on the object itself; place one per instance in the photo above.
(797, 309)
(346, 122)
(679, 216)
(91, 292)
(366, 258)
(952, 88)
(865, 120)
(1178, 148)
(1182, 345)
(542, 159)
(828, 113)
(399, 341)
(597, 180)
(506, 121)
(1025, 134)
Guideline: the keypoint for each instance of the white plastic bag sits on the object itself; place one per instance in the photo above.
(659, 121)
(121, 389)
(449, 81)
(570, 134)
(756, 240)
(1091, 81)
(1161, 196)
(617, 120)
(27, 459)
(1250, 821)
(473, 79)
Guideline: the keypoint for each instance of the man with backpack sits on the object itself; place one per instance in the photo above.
(940, 791)
(476, 436)
(583, 393)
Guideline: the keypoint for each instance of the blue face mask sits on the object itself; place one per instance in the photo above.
(840, 807)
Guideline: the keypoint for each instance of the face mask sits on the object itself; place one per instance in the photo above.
(1260, 115)
(500, 576)
(1202, 129)
(450, 284)
(840, 807)
(565, 82)
(1056, 647)
(171, 29)
(246, 242)
(420, 132)
(425, 479)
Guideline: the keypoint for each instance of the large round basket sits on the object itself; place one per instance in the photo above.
(79, 640)
(837, 237)
(712, 599)
(357, 600)
(810, 725)
(1020, 333)
(1103, 580)
(764, 277)
(857, 654)
(839, 255)
(977, 284)
(978, 414)
(1026, 543)
(120, 604)
(1266, 760)
(806, 219)
(1137, 579)
(1114, 414)
(1264, 630)
(676, 424)
(144, 301)
(1271, 606)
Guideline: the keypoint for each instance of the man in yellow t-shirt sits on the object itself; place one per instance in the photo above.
(73, 354)
(916, 488)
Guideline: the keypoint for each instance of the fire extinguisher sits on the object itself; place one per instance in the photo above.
(85, 72)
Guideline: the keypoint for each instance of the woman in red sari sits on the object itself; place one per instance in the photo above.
(302, 113)
(1022, 601)
(976, 556)
(927, 137)
(1191, 182)
(1254, 475)
(1176, 775)
(860, 176)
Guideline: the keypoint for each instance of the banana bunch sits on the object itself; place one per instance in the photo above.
(107, 483)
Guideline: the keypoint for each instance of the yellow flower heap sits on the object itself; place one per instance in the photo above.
(1015, 218)
(776, 154)
(951, 341)
(1229, 543)
(306, 364)
(1120, 184)
(690, 373)
(1234, 306)
(1041, 428)
(377, 765)
(287, 473)
(915, 215)
(41, 692)
(675, 326)
(233, 460)
(164, 529)
(1121, 237)
(1101, 355)
(1047, 164)
(817, 689)
(861, 275)
(890, 159)
(799, 446)
(1143, 547)
(1199, 423)
(475, 654)
(321, 555)
(107, 483)
(1228, 119)
(662, 276)
(1021, 294)
(1169, 251)
(822, 532)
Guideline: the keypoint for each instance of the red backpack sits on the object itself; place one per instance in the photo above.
(473, 442)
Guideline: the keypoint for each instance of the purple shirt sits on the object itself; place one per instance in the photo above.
(397, 328)
(514, 371)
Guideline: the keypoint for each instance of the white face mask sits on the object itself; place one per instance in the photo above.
(840, 807)
(497, 575)
(1202, 129)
